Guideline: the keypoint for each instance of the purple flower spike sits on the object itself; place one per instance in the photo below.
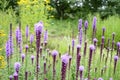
(80, 36)
(94, 22)
(17, 66)
(7, 49)
(54, 53)
(26, 46)
(15, 76)
(73, 43)
(46, 36)
(92, 47)
(10, 77)
(100, 79)
(110, 79)
(118, 44)
(86, 24)
(31, 38)
(39, 26)
(32, 58)
(116, 58)
(27, 31)
(95, 40)
(23, 57)
(81, 68)
(80, 24)
(65, 59)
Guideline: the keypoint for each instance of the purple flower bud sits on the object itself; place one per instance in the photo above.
(86, 24)
(32, 57)
(110, 79)
(95, 40)
(81, 68)
(46, 36)
(80, 24)
(10, 77)
(7, 49)
(26, 46)
(39, 26)
(118, 44)
(27, 31)
(54, 53)
(103, 39)
(80, 36)
(94, 22)
(23, 55)
(17, 66)
(73, 42)
(100, 79)
(31, 38)
(65, 59)
(115, 58)
(78, 46)
(92, 47)
(15, 76)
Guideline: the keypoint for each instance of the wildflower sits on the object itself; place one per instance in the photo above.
(32, 58)
(45, 35)
(81, 69)
(23, 57)
(103, 31)
(17, 66)
(27, 31)
(73, 44)
(10, 77)
(31, 38)
(86, 24)
(95, 42)
(115, 63)
(54, 54)
(65, 60)
(15, 76)
(100, 78)
(80, 24)
(92, 48)
(94, 27)
(80, 36)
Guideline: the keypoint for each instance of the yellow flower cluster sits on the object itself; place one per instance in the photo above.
(2, 33)
(27, 2)
(47, 1)
(2, 62)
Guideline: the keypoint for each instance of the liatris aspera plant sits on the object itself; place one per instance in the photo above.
(70, 58)
(102, 46)
(115, 63)
(31, 38)
(38, 30)
(94, 27)
(113, 42)
(80, 24)
(27, 32)
(118, 48)
(103, 31)
(95, 42)
(81, 69)
(10, 77)
(23, 57)
(54, 54)
(17, 66)
(32, 58)
(85, 48)
(15, 76)
(92, 48)
(78, 57)
(45, 35)
(80, 36)
(85, 28)
(73, 45)
(65, 60)
(110, 79)
(11, 39)
(100, 79)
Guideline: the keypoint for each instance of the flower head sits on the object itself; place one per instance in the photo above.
(94, 22)
(86, 24)
(31, 38)
(54, 53)
(81, 68)
(23, 55)
(32, 57)
(27, 31)
(65, 58)
(95, 40)
(39, 27)
(80, 24)
(116, 58)
(17, 66)
(73, 42)
(15, 74)
(100, 78)
(92, 47)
